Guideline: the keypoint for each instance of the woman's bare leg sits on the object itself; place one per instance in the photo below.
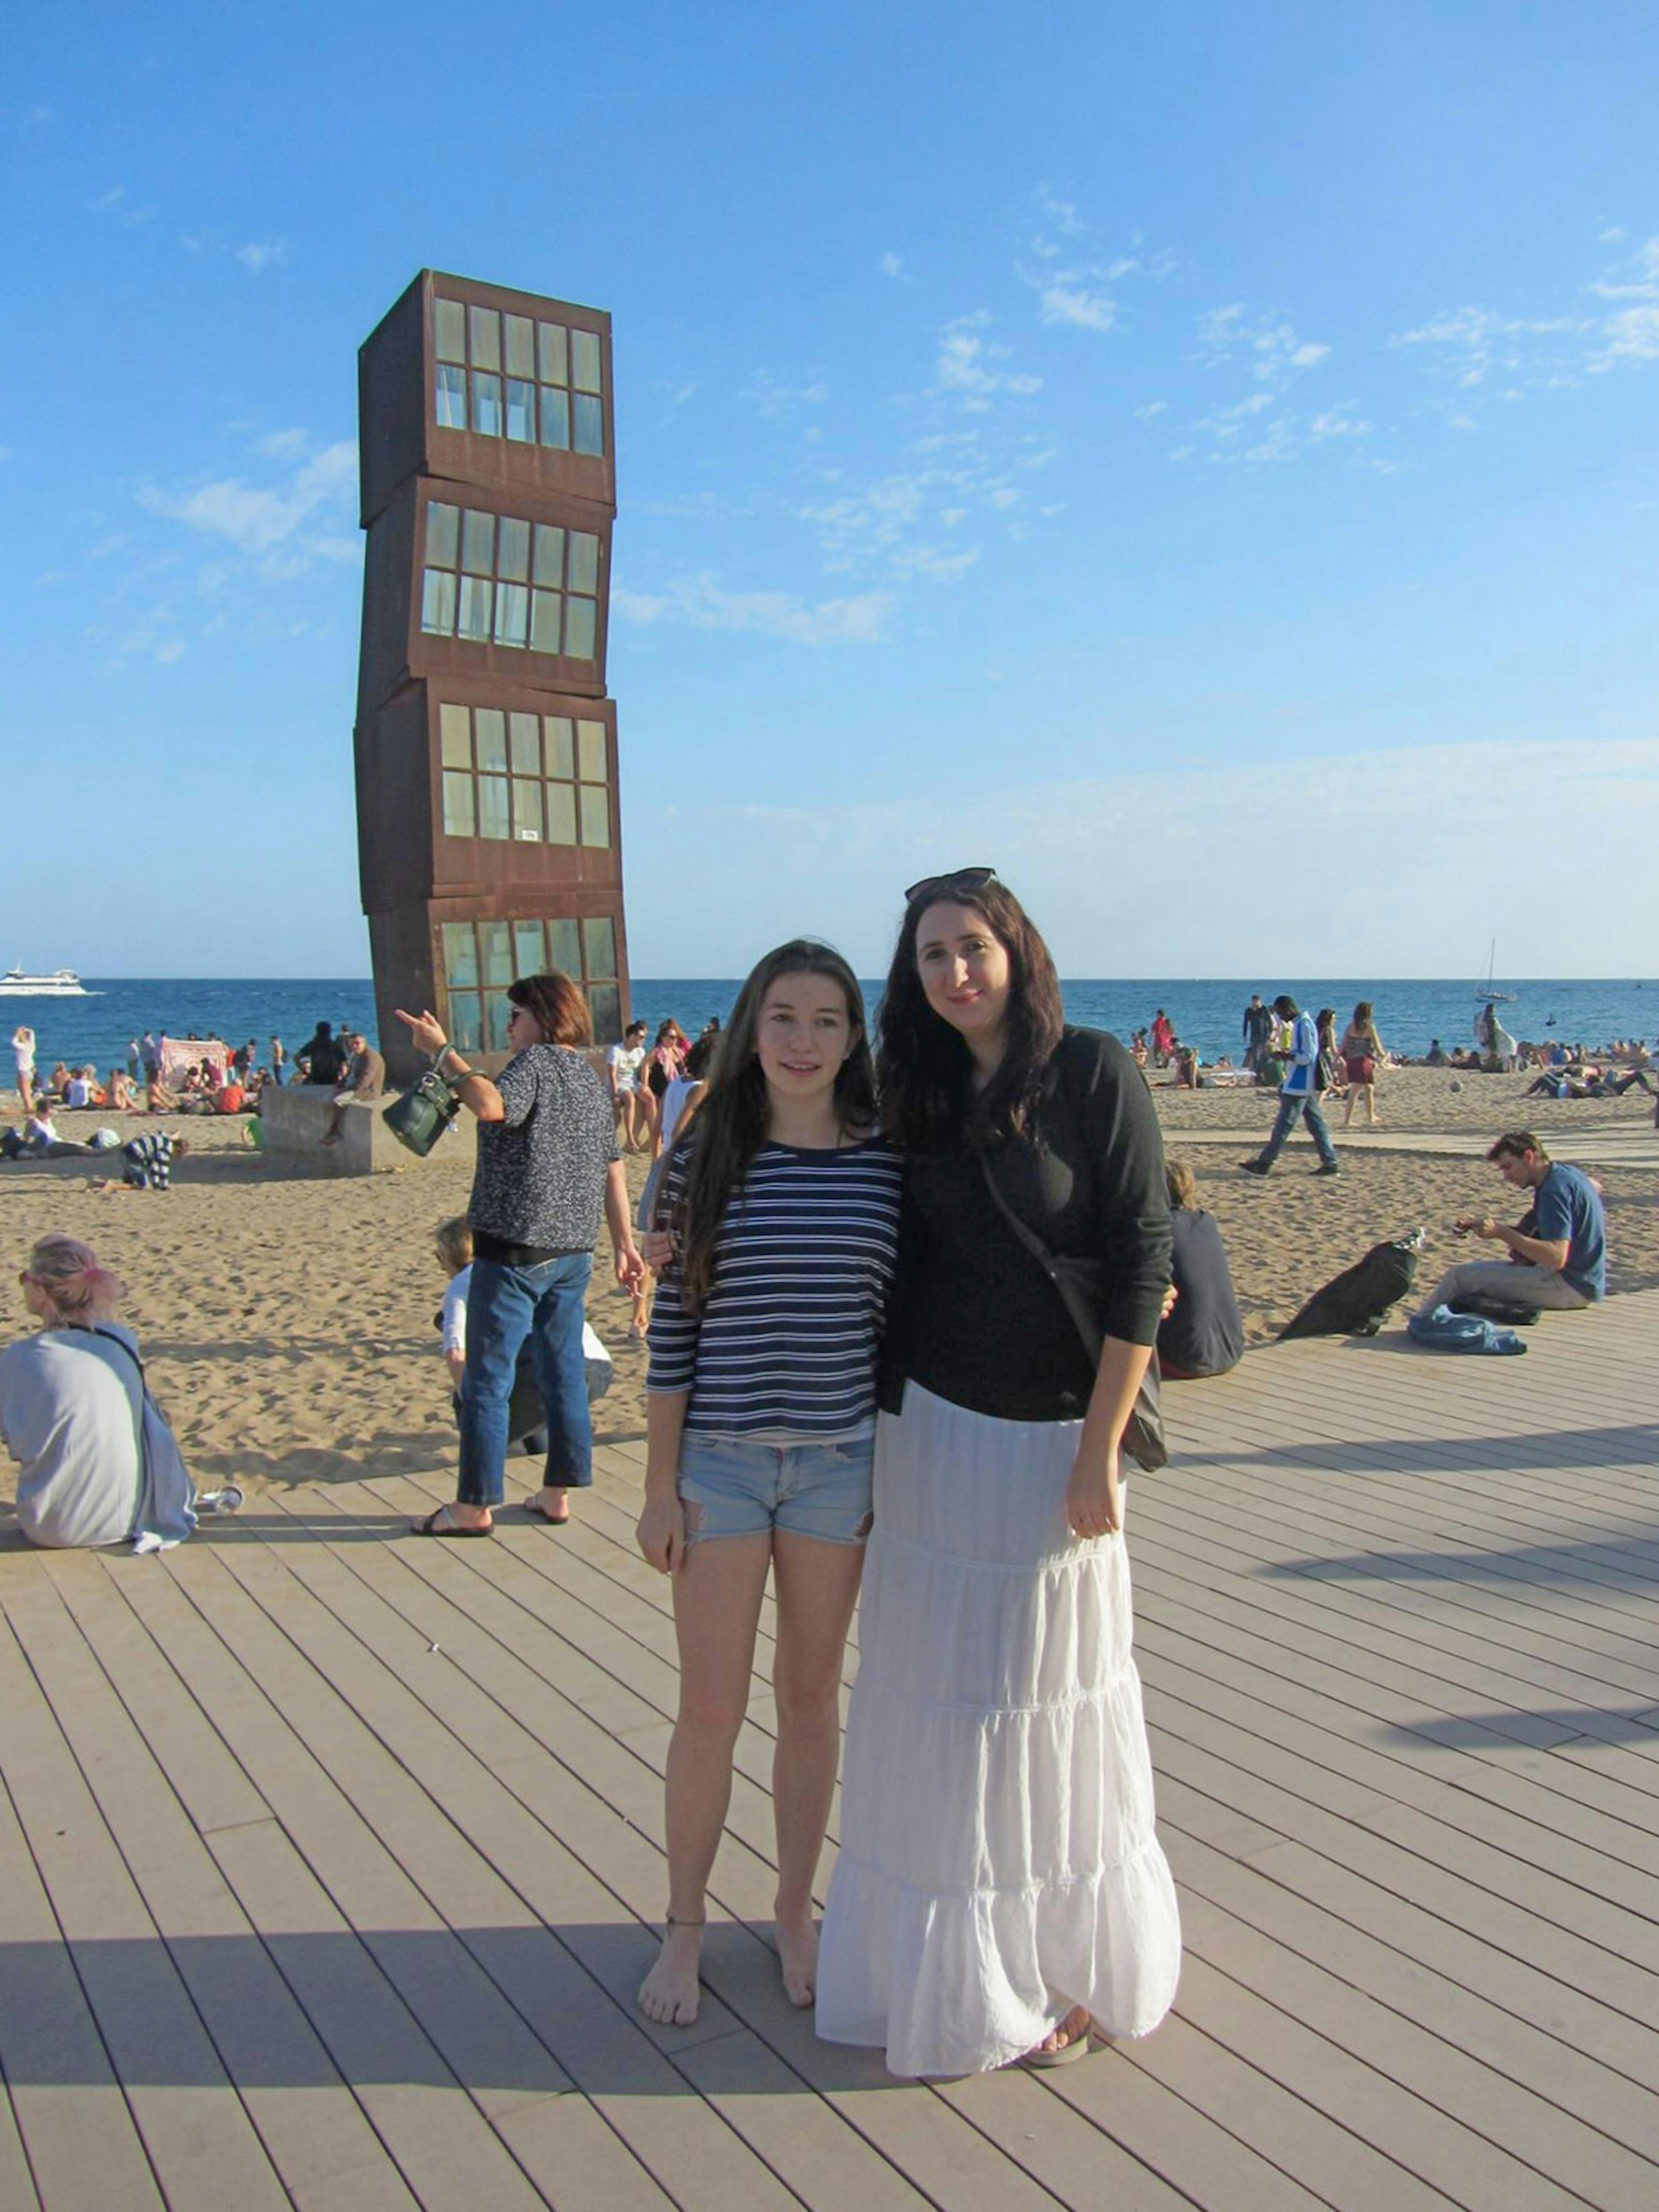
(717, 1601)
(818, 1585)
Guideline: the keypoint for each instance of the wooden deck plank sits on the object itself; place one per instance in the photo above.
(385, 2031)
(200, 2141)
(72, 2110)
(891, 2125)
(1396, 1627)
(311, 2125)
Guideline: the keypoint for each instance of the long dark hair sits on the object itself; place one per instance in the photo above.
(927, 1101)
(731, 1123)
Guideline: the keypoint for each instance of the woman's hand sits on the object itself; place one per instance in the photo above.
(661, 1534)
(631, 1269)
(658, 1247)
(1094, 1495)
(425, 1032)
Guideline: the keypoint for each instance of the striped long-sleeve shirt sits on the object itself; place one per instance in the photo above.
(786, 1344)
(149, 1160)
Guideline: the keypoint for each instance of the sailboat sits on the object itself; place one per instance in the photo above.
(1486, 990)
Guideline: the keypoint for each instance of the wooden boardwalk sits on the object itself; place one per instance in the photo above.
(328, 1858)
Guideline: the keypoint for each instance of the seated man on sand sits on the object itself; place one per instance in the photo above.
(1558, 1250)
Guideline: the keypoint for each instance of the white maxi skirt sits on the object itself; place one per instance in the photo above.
(998, 1861)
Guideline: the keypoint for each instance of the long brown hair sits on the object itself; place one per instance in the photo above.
(730, 1124)
(927, 1101)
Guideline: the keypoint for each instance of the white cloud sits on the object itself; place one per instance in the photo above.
(257, 257)
(707, 605)
(967, 366)
(1332, 424)
(1612, 236)
(1151, 409)
(1084, 310)
(892, 265)
(278, 525)
(1270, 350)
(768, 397)
(285, 445)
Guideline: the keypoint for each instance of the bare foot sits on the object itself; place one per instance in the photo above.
(1074, 2028)
(668, 1994)
(798, 1958)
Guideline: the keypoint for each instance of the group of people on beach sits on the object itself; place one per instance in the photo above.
(902, 1356)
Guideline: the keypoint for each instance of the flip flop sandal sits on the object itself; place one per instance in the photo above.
(1040, 2061)
(540, 1513)
(437, 1524)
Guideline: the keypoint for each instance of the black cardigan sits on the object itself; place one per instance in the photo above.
(972, 1316)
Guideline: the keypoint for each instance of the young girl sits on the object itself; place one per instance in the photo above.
(784, 1207)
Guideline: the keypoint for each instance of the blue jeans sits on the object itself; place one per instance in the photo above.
(1285, 1121)
(505, 1305)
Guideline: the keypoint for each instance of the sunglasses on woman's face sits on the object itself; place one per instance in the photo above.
(961, 881)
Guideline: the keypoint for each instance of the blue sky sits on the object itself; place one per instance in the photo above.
(1202, 461)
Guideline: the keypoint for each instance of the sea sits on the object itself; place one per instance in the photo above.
(1206, 1013)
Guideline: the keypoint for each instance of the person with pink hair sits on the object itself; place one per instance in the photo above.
(97, 1463)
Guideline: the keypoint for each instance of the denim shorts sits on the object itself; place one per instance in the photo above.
(730, 1488)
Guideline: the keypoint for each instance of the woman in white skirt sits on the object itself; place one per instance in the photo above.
(1000, 1893)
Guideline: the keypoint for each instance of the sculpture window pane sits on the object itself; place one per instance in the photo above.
(493, 816)
(585, 358)
(561, 813)
(495, 944)
(555, 419)
(599, 946)
(521, 412)
(596, 814)
(438, 602)
(451, 402)
(513, 551)
(449, 330)
(584, 574)
(520, 345)
(561, 746)
(490, 733)
(587, 430)
(460, 956)
(565, 941)
(460, 820)
(549, 554)
(525, 733)
(553, 344)
(465, 1032)
(512, 614)
(455, 728)
(477, 600)
(486, 406)
(546, 622)
(590, 738)
(443, 525)
(478, 542)
(579, 633)
(527, 810)
(484, 325)
(529, 953)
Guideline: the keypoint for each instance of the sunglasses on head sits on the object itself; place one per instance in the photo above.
(960, 880)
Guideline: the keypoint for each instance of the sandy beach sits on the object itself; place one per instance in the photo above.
(288, 1322)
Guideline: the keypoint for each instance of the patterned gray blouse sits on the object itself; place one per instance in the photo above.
(540, 1178)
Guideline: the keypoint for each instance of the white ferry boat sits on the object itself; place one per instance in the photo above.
(62, 983)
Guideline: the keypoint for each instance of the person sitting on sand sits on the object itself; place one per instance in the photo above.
(123, 1098)
(98, 1464)
(1558, 1251)
(1436, 1056)
(148, 1162)
(1202, 1334)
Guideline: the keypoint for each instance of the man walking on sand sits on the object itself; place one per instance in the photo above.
(1298, 1095)
(1558, 1250)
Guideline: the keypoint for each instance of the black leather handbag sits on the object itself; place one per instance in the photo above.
(1079, 1283)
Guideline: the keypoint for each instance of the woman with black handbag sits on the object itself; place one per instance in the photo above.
(1000, 1894)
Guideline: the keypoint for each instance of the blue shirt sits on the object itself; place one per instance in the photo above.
(1567, 1206)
